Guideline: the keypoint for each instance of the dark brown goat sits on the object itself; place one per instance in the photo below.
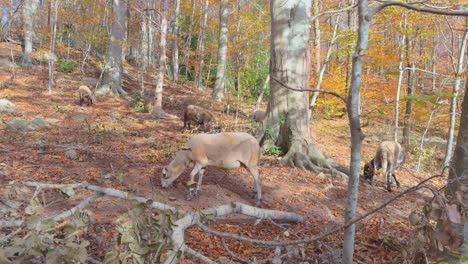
(198, 115)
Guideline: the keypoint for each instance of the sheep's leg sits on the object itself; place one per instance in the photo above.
(200, 178)
(389, 181)
(196, 169)
(258, 183)
(396, 180)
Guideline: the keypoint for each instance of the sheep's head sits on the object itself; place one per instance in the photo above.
(177, 166)
(369, 170)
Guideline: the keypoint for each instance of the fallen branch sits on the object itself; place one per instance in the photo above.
(78, 207)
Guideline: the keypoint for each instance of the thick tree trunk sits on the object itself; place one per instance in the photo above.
(453, 104)
(201, 46)
(29, 12)
(218, 91)
(355, 127)
(158, 111)
(458, 177)
(287, 122)
(175, 43)
(112, 79)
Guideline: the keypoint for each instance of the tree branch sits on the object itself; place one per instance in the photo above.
(308, 90)
(78, 207)
(385, 4)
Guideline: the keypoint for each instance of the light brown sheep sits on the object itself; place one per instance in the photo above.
(390, 155)
(85, 95)
(227, 150)
(199, 116)
(258, 116)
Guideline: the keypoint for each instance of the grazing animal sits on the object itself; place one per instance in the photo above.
(85, 95)
(227, 150)
(390, 155)
(198, 115)
(258, 116)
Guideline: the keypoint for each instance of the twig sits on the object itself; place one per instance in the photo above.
(308, 240)
(234, 256)
(198, 255)
(12, 234)
(308, 90)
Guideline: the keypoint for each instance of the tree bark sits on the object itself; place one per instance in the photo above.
(352, 27)
(401, 71)
(355, 128)
(317, 48)
(158, 111)
(112, 79)
(147, 35)
(201, 46)
(28, 11)
(189, 41)
(218, 91)
(409, 105)
(52, 56)
(287, 121)
(453, 104)
(175, 43)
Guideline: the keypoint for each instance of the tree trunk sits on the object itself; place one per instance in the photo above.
(218, 91)
(287, 122)
(158, 111)
(262, 92)
(147, 35)
(409, 106)
(201, 46)
(29, 12)
(112, 79)
(324, 64)
(317, 48)
(189, 41)
(453, 104)
(52, 46)
(401, 71)
(355, 128)
(175, 43)
(352, 26)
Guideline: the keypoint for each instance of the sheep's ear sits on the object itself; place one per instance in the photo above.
(185, 148)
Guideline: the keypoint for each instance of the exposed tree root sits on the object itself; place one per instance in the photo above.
(309, 157)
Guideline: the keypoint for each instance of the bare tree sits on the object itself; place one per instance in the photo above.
(365, 17)
(288, 123)
(218, 91)
(401, 71)
(201, 46)
(175, 43)
(112, 78)
(52, 56)
(453, 103)
(158, 111)
(188, 45)
(147, 34)
(28, 11)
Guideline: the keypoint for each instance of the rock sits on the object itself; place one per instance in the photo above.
(8, 63)
(21, 125)
(40, 122)
(71, 154)
(80, 117)
(7, 106)
(105, 89)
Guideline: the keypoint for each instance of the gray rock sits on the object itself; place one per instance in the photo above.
(71, 154)
(21, 125)
(7, 107)
(40, 122)
(8, 63)
(80, 117)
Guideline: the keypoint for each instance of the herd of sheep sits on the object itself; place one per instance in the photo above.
(230, 150)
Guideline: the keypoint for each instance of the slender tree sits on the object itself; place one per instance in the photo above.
(201, 46)
(112, 79)
(175, 43)
(401, 71)
(147, 34)
(158, 111)
(52, 45)
(453, 103)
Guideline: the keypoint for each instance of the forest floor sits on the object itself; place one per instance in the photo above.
(120, 148)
